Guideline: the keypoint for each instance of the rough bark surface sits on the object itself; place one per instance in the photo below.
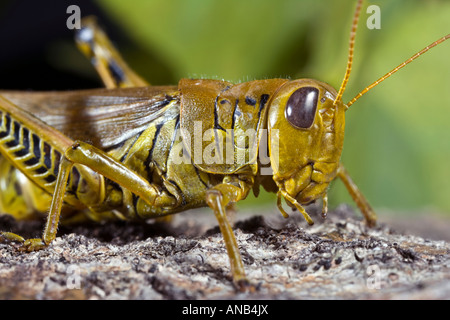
(339, 258)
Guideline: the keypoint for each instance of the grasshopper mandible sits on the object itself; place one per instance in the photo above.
(111, 153)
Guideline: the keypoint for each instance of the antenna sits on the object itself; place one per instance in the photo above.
(390, 73)
(350, 52)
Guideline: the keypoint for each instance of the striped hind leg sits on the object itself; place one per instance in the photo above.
(111, 67)
(57, 157)
(19, 197)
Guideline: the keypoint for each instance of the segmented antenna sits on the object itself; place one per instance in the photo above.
(390, 73)
(350, 52)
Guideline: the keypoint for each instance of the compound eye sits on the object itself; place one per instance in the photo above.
(301, 107)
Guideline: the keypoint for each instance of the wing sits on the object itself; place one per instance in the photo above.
(102, 117)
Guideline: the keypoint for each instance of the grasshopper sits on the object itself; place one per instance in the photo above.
(114, 153)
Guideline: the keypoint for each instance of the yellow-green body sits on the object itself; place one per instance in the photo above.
(139, 137)
(147, 147)
(135, 151)
(115, 153)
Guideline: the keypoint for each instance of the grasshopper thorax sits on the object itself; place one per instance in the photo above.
(306, 135)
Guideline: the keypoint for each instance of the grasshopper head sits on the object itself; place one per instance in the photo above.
(306, 136)
(306, 130)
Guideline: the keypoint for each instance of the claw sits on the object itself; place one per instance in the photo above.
(25, 245)
(32, 245)
(244, 285)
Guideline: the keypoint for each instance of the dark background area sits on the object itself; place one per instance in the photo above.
(39, 52)
(27, 35)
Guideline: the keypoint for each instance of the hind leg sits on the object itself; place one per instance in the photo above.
(96, 46)
(20, 197)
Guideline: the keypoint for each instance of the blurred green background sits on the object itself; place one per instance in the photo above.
(397, 146)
